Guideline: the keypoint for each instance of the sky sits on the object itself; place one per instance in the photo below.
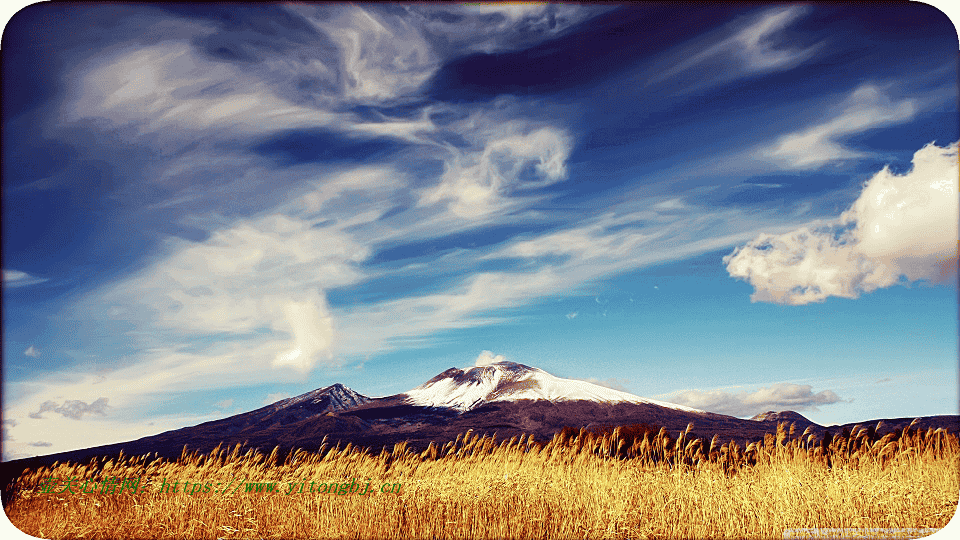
(733, 207)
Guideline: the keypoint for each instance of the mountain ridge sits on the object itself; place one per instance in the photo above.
(336, 414)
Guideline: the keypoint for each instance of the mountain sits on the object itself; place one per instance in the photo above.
(333, 398)
(782, 416)
(508, 381)
(504, 398)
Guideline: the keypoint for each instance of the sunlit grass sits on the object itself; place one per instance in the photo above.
(617, 484)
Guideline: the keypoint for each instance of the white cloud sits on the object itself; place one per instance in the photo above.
(223, 404)
(866, 108)
(487, 358)
(260, 281)
(776, 397)
(901, 225)
(312, 327)
(16, 278)
(32, 352)
(572, 315)
(476, 184)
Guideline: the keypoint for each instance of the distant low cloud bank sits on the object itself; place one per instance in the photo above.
(72, 408)
(777, 397)
(901, 227)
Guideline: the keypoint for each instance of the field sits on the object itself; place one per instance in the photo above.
(626, 482)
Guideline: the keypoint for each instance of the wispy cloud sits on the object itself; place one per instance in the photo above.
(16, 278)
(32, 352)
(498, 26)
(476, 184)
(743, 48)
(868, 107)
(382, 56)
(901, 225)
(777, 397)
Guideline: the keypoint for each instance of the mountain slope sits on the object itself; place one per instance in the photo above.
(505, 399)
(333, 398)
(782, 416)
(320, 402)
(509, 381)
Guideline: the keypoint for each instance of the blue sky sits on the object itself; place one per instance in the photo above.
(738, 208)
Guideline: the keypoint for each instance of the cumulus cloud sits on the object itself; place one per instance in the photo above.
(16, 278)
(32, 352)
(72, 408)
(487, 358)
(777, 397)
(866, 108)
(900, 227)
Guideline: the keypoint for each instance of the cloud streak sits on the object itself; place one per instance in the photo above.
(749, 48)
(15, 278)
(866, 108)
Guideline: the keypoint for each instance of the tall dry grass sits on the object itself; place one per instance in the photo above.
(577, 485)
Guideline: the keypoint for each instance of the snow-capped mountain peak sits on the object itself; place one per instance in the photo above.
(508, 381)
(335, 397)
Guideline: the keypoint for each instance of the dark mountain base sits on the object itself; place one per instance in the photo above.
(381, 423)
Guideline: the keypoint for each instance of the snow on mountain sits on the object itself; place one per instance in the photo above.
(508, 381)
(781, 416)
(336, 397)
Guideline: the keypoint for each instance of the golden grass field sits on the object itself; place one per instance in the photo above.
(577, 485)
